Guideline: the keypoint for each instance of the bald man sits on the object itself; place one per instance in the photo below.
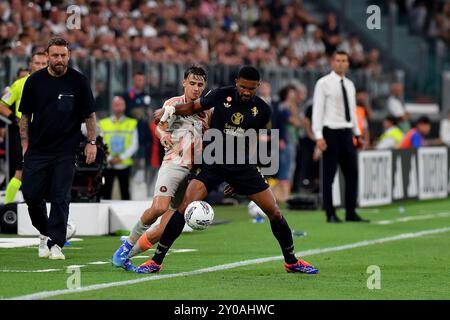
(121, 135)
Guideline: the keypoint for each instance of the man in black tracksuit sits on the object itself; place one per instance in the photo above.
(55, 101)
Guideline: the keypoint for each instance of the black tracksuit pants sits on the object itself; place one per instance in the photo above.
(340, 151)
(48, 177)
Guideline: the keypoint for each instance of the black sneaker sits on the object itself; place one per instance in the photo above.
(333, 219)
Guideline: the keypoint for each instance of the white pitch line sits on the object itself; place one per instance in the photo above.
(413, 218)
(33, 271)
(92, 263)
(48, 294)
(99, 262)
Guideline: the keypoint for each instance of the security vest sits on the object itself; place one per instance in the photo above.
(13, 95)
(118, 136)
(393, 133)
(407, 141)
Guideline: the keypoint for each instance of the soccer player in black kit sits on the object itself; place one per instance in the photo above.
(236, 109)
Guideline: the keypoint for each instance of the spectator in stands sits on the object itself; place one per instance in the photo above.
(173, 31)
(265, 92)
(294, 127)
(301, 92)
(309, 164)
(415, 138)
(361, 118)
(396, 108)
(121, 135)
(392, 135)
(314, 43)
(418, 15)
(372, 63)
(282, 116)
(137, 106)
(136, 98)
(355, 49)
(332, 33)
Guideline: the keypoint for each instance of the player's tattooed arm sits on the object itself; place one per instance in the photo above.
(24, 129)
(91, 125)
(90, 150)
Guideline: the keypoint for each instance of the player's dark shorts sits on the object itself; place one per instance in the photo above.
(15, 149)
(245, 179)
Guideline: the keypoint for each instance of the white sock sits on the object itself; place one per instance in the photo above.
(137, 231)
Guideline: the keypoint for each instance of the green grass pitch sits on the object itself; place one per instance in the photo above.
(416, 267)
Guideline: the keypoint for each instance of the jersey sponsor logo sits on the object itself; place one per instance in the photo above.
(254, 111)
(233, 131)
(237, 118)
(64, 95)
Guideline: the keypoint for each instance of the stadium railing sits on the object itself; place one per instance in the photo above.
(110, 77)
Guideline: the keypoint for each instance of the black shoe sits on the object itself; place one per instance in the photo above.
(355, 218)
(333, 219)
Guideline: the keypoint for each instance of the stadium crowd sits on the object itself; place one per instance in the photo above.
(257, 32)
(429, 19)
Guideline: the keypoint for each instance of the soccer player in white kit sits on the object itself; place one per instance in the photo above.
(179, 137)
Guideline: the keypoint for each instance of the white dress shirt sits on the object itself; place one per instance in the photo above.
(444, 131)
(395, 107)
(329, 107)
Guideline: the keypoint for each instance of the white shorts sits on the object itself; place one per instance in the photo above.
(171, 182)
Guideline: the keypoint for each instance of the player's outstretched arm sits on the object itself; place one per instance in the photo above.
(189, 108)
(184, 109)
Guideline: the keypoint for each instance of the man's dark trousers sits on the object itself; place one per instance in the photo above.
(340, 150)
(48, 177)
(124, 182)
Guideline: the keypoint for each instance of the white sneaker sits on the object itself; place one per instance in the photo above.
(44, 251)
(56, 253)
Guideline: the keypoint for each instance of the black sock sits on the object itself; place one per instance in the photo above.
(283, 233)
(171, 233)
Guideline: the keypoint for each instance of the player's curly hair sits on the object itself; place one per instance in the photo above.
(249, 73)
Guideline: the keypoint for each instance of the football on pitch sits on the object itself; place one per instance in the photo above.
(71, 228)
(199, 215)
(254, 211)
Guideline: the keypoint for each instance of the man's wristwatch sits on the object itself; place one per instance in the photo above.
(93, 142)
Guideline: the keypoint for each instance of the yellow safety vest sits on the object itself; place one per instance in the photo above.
(118, 136)
(394, 133)
(13, 95)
